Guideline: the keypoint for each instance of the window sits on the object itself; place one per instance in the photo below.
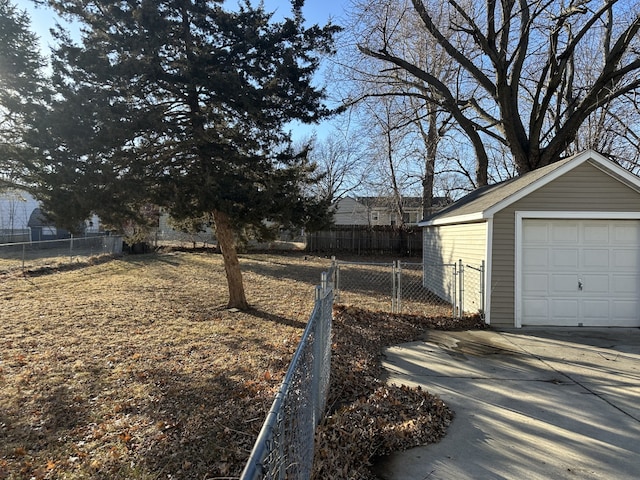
(411, 217)
(374, 216)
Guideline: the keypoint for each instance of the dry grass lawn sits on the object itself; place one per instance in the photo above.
(132, 368)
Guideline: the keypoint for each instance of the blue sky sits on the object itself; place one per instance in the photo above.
(315, 11)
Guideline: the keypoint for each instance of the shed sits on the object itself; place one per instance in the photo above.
(561, 244)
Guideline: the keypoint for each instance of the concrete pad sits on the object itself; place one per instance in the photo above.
(563, 404)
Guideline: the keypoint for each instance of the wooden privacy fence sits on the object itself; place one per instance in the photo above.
(366, 240)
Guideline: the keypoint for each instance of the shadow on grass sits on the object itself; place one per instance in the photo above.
(184, 426)
(310, 272)
(254, 312)
(202, 439)
(66, 267)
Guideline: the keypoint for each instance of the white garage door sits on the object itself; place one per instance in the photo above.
(580, 272)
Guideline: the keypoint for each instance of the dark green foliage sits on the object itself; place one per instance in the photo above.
(182, 104)
(22, 90)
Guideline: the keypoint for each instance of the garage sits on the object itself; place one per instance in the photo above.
(580, 272)
(561, 245)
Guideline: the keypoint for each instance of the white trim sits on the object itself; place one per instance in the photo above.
(469, 218)
(597, 160)
(487, 271)
(520, 216)
(517, 270)
(590, 215)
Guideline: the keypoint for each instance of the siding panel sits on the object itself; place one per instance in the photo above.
(443, 247)
(585, 188)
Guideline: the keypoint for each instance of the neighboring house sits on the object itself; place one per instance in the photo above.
(16, 207)
(380, 210)
(561, 245)
(43, 229)
(166, 232)
(22, 220)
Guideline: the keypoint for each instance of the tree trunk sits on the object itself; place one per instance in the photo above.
(227, 243)
(431, 139)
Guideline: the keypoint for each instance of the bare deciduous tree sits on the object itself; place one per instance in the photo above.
(529, 79)
(341, 163)
(416, 117)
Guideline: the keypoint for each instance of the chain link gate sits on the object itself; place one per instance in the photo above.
(411, 287)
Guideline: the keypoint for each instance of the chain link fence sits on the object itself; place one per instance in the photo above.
(473, 289)
(285, 445)
(53, 253)
(360, 283)
(452, 289)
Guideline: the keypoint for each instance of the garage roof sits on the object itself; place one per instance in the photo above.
(484, 202)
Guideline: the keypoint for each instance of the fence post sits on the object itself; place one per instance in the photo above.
(334, 273)
(454, 297)
(482, 288)
(321, 291)
(398, 287)
(394, 288)
(461, 289)
(336, 290)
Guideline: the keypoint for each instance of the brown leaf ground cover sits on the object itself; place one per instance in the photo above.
(134, 369)
(364, 410)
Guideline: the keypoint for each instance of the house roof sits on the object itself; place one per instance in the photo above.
(38, 219)
(413, 202)
(484, 202)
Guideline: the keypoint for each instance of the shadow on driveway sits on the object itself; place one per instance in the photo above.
(529, 403)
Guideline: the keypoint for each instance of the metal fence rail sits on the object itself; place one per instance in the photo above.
(29, 255)
(284, 448)
(403, 287)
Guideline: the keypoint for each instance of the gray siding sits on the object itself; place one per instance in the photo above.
(350, 212)
(585, 188)
(445, 246)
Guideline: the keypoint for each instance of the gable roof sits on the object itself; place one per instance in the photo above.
(484, 202)
(385, 202)
(39, 219)
(410, 202)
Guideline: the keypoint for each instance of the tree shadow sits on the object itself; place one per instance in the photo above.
(261, 314)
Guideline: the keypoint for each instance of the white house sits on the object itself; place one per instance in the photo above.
(16, 207)
(375, 211)
(21, 219)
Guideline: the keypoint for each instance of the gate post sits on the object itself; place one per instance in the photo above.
(460, 289)
(398, 284)
(482, 288)
(394, 287)
(336, 290)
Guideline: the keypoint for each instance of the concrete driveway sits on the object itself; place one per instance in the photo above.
(529, 404)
